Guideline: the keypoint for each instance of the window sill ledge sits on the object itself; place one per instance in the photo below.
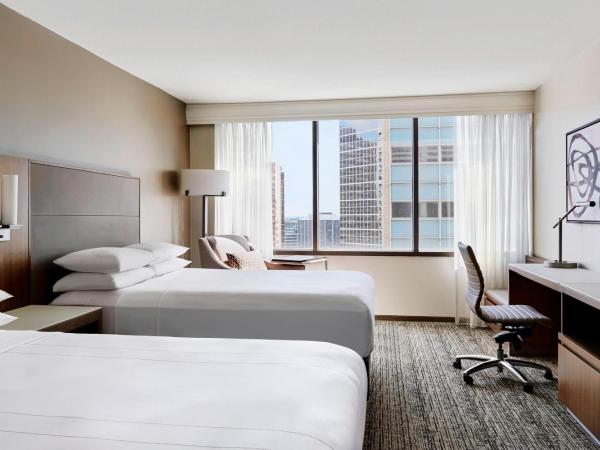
(362, 253)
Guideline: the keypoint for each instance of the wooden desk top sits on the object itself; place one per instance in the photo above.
(50, 317)
(555, 278)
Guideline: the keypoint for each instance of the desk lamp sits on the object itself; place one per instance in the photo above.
(559, 263)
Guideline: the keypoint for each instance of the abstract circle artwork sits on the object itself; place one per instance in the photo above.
(583, 167)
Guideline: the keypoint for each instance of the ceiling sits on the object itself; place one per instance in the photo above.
(213, 51)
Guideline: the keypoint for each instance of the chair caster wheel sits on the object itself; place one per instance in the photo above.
(468, 379)
(548, 376)
(457, 364)
(528, 388)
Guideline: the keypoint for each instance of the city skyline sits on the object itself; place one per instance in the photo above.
(370, 169)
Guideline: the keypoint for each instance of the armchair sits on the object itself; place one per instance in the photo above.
(214, 249)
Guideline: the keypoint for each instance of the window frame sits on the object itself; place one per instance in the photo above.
(315, 209)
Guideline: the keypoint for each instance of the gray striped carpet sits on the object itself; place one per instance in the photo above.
(419, 401)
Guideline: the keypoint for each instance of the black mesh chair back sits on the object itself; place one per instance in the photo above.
(475, 288)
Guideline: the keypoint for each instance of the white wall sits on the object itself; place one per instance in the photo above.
(567, 100)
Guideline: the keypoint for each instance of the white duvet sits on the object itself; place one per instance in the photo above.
(75, 392)
(329, 306)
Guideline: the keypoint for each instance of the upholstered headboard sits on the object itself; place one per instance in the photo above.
(73, 209)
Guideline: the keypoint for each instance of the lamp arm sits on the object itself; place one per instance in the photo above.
(565, 216)
(576, 205)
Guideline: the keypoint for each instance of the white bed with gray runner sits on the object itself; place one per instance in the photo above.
(332, 306)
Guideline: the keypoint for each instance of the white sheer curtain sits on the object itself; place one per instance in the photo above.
(492, 196)
(244, 149)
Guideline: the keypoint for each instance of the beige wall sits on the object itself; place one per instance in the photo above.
(60, 103)
(567, 100)
(202, 156)
(406, 285)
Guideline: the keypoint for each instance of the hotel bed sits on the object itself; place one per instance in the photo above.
(73, 391)
(73, 209)
(336, 307)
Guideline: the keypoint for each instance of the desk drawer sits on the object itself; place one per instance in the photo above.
(579, 387)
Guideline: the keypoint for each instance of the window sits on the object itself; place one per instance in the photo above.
(291, 175)
(401, 210)
(436, 177)
(367, 197)
(428, 210)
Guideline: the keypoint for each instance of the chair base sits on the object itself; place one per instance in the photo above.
(500, 363)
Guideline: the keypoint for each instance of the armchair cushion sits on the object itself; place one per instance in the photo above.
(222, 246)
(251, 260)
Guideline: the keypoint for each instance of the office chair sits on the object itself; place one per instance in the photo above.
(517, 322)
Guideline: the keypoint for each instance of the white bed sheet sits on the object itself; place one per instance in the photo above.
(328, 306)
(72, 392)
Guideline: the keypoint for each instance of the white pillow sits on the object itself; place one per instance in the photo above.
(171, 265)
(163, 251)
(79, 281)
(106, 259)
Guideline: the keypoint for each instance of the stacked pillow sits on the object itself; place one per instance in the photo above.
(108, 268)
(167, 256)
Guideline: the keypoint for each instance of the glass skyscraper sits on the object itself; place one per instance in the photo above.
(362, 196)
(376, 183)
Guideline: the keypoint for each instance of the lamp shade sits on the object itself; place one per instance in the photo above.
(196, 182)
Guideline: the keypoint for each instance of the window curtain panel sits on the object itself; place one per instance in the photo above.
(492, 197)
(244, 149)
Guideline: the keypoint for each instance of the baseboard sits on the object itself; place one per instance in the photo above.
(414, 318)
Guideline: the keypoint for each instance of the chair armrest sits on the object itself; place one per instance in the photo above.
(208, 258)
(283, 266)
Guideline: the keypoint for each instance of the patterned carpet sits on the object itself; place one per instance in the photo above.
(419, 401)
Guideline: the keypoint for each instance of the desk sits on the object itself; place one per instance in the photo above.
(571, 298)
(542, 287)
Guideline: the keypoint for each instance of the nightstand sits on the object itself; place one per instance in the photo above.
(68, 319)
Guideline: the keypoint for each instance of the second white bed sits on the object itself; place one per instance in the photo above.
(97, 392)
(329, 306)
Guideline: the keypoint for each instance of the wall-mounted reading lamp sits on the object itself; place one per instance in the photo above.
(5, 318)
(559, 263)
(9, 205)
(204, 183)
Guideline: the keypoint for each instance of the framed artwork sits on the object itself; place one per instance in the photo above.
(583, 165)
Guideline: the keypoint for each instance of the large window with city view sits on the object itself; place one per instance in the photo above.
(375, 192)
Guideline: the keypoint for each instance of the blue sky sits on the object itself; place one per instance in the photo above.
(292, 149)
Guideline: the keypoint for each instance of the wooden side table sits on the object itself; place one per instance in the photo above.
(68, 319)
(302, 262)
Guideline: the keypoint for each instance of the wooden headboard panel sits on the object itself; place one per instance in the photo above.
(74, 209)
